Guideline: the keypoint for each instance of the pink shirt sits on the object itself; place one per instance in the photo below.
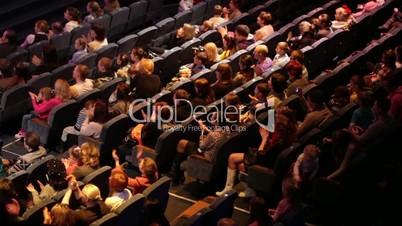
(43, 109)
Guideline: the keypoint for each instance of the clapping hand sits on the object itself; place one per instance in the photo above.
(31, 188)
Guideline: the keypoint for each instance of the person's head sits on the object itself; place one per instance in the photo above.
(200, 58)
(145, 66)
(261, 91)
(45, 93)
(105, 64)
(56, 173)
(188, 32)
(149, 169)
(356, 83)
(9, 205)
(231, 99)
(72, 13)
(260, 52)
(341, 14)
(305, 27)
(202, 87)
(9, 36)
(241, 32)
(89, 155)
(297, 55)
(282, 48)
(234, 5)
(118, 181)
(315, 99)
(91, 194)
(365, 99)
(22, 70)
(89, 104)
(218, 10)
(6, 68)
(206, 26)
(112, 4)
(62, 215)
(81, 72)
(229, 43)
(122, 59)
(62, 89)
(55, 28)
(294, 70)
(181, 94)
(137, 54)
(278, 82)
(80, 43)
(32, 141)
(41, 26)
(94, 8)
(122, 91)
(74, 153)
(265, 18)
(98, 32)
(100, 113)
(224, 72)
(227, 222)
(325, 20)
(211, 51)
(246, 62)
(389, 58)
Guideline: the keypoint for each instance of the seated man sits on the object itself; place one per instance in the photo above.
(217, 18)
(242, 37)
(82, 84)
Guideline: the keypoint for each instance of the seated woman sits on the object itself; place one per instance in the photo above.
(229, 47)
(97, 38)
(343, 18)
(94, 11)
(120, 100)
(246, 70)
(324, 26)
(224, 83)
(204, 95)
(233, 11)
(73, 16)
(148, 169)
(111, 6)
(271, 146)
(264, 20)
(56, 174)
(89, 161)
(186, 33)
(207, 145)
(212, 54)
(96, 117)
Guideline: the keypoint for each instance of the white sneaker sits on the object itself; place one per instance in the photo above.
(248, 193)
(225, 190)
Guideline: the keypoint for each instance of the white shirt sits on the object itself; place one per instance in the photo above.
(281, 61)
(118, 198)
(80, 88)
(71, 25)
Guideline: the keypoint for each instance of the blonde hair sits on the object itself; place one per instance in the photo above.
(262, 49)
(46, 92)
(91, 192)
(145, 66)
(62, 89)
(212, 52)
(90, 155)
(62, 215)
(188, 31)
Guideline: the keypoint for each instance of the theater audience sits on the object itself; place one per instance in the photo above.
(217, 18)
(305, 38)
(242, 37)
(233, 11)
(305, 168)
(324, 27)
(343, 19)
(185, 5)
(295, 70)
(363, 116)
(10, 207)
(80, 46)
(74, 156)
(19, 76)
(367, 7)
(186, 33)
(111, 6)
(120, 100)
(119, 193)
(82, 115)
(204, 95)
(264, 20)
(229, 47)
(259, 213)
(55, 29)
(264, 63)
(339, 99)
(73, 16)
(41, 29)
(146, 83)
(212, 54)
(299, 56)
(278, 84)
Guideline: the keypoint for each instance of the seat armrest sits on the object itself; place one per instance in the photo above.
(190, 211)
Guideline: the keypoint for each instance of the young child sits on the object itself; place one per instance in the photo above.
(306, 166)
(35, 152)
(80, 46)
(148, 169)
(122, 63)
(104, 71)
(42, 103)
(74, 156)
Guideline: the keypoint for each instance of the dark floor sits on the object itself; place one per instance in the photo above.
(181, 197)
